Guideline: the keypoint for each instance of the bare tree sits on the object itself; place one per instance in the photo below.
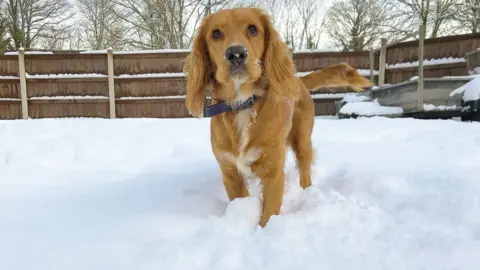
(55, 38)
(299, 22)
(468, 15)
(434, 15)
(31, 20)
(312, 24)
(354, 24)
(100, 25)
(158, 24)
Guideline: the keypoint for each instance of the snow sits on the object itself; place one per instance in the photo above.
(328, 96)
(155, 97)
(427, 62)
(376, 87)
(65, 76)
(370, 108)
(2, 77)
(137, 51)
(28, 52)
(147, 194)
(366, 72)
(353, 97)
(470, 90)
(310, 51)
(474, 71)
(362, 72)
(152, 75)
(431, 107)
(67, 97)
(99, 75)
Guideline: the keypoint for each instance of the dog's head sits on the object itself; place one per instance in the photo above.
(235, 46)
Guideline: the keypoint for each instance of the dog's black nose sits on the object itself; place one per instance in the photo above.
(236, 55)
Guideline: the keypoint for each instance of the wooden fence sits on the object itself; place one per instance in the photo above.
(448, 55)
(151, 84)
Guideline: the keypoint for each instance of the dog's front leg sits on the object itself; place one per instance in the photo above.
(270, 169)
(233, 182)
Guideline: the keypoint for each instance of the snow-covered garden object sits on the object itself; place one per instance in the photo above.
(470, 95)
(436, 96)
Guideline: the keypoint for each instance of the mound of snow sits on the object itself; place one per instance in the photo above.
(353, 97)
(370, 108)
(470, 90)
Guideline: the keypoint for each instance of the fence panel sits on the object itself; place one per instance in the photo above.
(149, 86)
(435, 48)
(309, 61)
(68, 108)
(10, 109)
(9, 88)
(159, 108)
(66, 63)
(399, 75)
(8, 65)
(148, 63)
(67, 87)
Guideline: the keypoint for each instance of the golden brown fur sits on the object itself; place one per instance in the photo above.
(253, 142)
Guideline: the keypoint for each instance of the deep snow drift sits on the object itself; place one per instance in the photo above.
(147, 194)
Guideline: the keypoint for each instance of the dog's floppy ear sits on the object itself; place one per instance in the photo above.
(196, 68)
(278, 63)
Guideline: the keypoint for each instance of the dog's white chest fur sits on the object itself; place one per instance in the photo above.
(245, 157)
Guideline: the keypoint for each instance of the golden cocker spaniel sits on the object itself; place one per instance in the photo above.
(259, 106)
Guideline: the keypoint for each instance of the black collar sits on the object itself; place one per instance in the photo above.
(222, 107)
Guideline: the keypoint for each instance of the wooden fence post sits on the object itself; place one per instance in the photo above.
(372, 64)
(382, 62)
(111, 83)
(420, 96)
(23, 82)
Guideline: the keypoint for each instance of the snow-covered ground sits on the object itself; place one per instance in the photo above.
(147, 194)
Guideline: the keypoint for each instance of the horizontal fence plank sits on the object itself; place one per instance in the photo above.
(148, 63)
(10, 109)
(68, 108)
(161, 108)
(10, 88)
(434, 48)
(149, 87)
(317, 60)
(8, 65)
(399, 75)
(67, 87)
(65, 63)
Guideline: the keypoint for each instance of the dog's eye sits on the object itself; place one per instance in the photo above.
(216, 34)
(252, 29)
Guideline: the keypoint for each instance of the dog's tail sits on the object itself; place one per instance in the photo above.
(335, 77)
